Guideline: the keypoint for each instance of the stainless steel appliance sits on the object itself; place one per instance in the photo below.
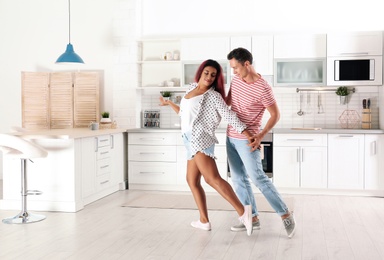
(266, 155)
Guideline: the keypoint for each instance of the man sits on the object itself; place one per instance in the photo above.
(249, 96)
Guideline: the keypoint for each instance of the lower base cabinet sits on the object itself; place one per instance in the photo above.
(346, 161)
(160, 162)
(76, 172)
(300, 161)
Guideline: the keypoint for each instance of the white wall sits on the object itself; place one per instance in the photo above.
(34, 33)
(175, 17)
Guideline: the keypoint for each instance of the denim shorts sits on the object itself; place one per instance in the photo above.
(210, 151)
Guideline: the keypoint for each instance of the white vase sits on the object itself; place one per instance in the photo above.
(343, 100)
(105, 120)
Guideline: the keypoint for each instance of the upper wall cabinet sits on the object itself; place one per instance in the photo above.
(204, 48)
(299, 59)
(355, 43)
(261, 48)
(262, 51)
(300, 46)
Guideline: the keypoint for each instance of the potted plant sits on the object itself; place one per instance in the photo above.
(166, 94)
(105, 117)
(343, 93)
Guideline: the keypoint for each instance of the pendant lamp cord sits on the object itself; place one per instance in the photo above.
(69, 20)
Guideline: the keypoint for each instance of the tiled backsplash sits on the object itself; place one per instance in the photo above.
(321, 109)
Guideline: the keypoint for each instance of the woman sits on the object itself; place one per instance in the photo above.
(201, 110)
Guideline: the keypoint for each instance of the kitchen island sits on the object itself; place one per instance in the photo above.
(82, 166)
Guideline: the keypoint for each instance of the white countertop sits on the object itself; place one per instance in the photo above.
(68, 133)
(274, 130)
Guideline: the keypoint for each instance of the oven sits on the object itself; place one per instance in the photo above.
(266, 152)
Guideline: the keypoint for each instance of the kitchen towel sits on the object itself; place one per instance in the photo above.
(183, 200)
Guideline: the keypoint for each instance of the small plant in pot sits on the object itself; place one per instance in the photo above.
(343, 93)
(166, 94)
(105, 117)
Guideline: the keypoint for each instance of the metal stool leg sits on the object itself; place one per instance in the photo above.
(24, 217)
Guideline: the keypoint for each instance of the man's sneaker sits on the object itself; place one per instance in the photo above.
(199, 225)
(246, 219)
(290, 225)
(241, 227)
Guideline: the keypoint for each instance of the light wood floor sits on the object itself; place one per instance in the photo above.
(328, 227)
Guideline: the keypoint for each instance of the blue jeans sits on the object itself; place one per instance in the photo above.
(244, 163)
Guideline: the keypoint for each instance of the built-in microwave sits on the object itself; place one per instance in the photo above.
(355, 71)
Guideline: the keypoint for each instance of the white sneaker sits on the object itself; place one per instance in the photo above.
(199, 225)
(246, 219)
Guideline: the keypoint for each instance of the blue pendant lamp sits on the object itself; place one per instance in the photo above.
(69, 56)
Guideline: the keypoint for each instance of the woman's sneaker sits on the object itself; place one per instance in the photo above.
(241, 227)
(290, 225)
(246, 219)
(199, 225)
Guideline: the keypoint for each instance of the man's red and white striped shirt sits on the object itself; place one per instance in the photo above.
(249, 101)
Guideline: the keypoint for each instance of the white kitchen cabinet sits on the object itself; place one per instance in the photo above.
(73, 175)
(262, 52)
(152, 160)
(241, 41)
(346, 161)
(261, 47)
(355, 43)
(204, 48)
(300, 161)
(299, 59)
(103, 166)
(288, 46)
(373, 163)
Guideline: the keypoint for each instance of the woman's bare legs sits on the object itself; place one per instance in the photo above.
(193, 180)
(208, 168)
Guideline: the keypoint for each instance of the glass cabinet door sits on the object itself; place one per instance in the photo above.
(299, 72)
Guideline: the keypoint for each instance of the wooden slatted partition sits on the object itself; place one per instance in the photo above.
(86, 98)
(61, 100)
(35, 100)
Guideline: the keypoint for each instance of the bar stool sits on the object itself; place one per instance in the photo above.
(15, 147)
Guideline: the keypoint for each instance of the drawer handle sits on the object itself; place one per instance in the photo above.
(306, 140)
(104, 140)
(104, 182)
(153, 153)
(152, 172)
(104, 152)
(104, 166)
(345, 135)
(152, 139)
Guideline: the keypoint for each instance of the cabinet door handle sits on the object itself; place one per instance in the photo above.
(354, 53)
(305, 140)
(298, 155)
(112, 142)
(346, 136)
(104, 182)
(373, 148)
(96, 144)
(302, 154)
